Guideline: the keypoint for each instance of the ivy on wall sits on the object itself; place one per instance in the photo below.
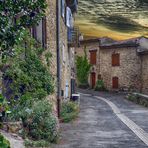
(15, 16)
(28, 77)
(83, 67)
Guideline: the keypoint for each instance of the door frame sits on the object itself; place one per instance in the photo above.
(93, 79)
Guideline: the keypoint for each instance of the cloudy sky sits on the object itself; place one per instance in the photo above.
(118, 19)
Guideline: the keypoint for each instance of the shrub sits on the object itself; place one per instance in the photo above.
(3, 142)
(40, 143)
(4, 108)
(100, 86)
(138, 99)
(83, 68)
(28, 75)
(69, 111)
(39, 122)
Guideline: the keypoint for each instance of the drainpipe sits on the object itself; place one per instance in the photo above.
(58, 56)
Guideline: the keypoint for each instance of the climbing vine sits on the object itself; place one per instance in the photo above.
(24, 74)
(83, 67)
(15, 16)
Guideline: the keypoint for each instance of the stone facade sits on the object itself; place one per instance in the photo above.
(66, 53)
(90, 45)
(144, 73)
(132, 71)
(128, 72)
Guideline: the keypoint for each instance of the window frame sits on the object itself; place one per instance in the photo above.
(116, 59)
(92, 60)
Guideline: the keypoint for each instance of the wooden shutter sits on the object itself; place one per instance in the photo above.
(93, 57)
(34, 32)
(115, 82)
(44, 32)
(116, 59)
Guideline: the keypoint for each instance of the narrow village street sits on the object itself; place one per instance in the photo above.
(118, 123)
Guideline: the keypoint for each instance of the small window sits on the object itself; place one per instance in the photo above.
(63, 53)
(93, 57)
(99, 76)
(116, 59)
(63, 8)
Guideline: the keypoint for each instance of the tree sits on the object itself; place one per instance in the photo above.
(83, 67)
(15, 16)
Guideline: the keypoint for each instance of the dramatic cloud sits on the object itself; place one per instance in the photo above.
(118, 18)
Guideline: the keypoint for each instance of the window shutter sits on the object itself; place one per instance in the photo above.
(69, 18)
(116, 59)
(93, 57)
(34, 32)
(63, 8)
(44, 32)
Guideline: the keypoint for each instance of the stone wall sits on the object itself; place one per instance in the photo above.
(145, 73)
(65, 61)
(52, 48)
(128, 72)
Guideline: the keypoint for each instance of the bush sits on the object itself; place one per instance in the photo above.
(69, 111)
(4, 108)
(83, 68)
(3, 142)
(39, 122)
(100, 86)
(40, 143)
(138, 100)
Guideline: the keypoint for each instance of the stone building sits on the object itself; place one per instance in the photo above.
(46, 33)
(92, 48)
(122, 65)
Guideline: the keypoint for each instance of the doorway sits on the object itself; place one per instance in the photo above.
(93, 80)
(115, 82)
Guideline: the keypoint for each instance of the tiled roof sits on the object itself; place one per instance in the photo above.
(125, 43)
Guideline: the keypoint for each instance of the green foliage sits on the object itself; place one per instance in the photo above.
(69, 111)
(4, 108)
(138, 99)
(30, 78)
(39, 122)
(40, 143)
(83, 68)
(15, 16)
(100, 85)
(3, 142)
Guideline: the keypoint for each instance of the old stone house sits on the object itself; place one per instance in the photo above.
(91, 46)
(59, 37)
(57, 34)
(122, 65)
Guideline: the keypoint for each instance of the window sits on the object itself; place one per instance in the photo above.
(93, 57)
(39, 32)
(63, 53)
(115, 59)
(44, 33)
(63, 8)
(69, 18)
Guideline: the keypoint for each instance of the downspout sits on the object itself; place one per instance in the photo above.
(58, 56)
(141, 73)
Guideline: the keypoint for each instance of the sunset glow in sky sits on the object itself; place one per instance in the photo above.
(118, 19)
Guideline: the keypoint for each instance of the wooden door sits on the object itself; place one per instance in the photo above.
(115, 82)
(93, 79)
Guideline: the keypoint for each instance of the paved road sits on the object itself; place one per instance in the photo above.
(99, 127)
